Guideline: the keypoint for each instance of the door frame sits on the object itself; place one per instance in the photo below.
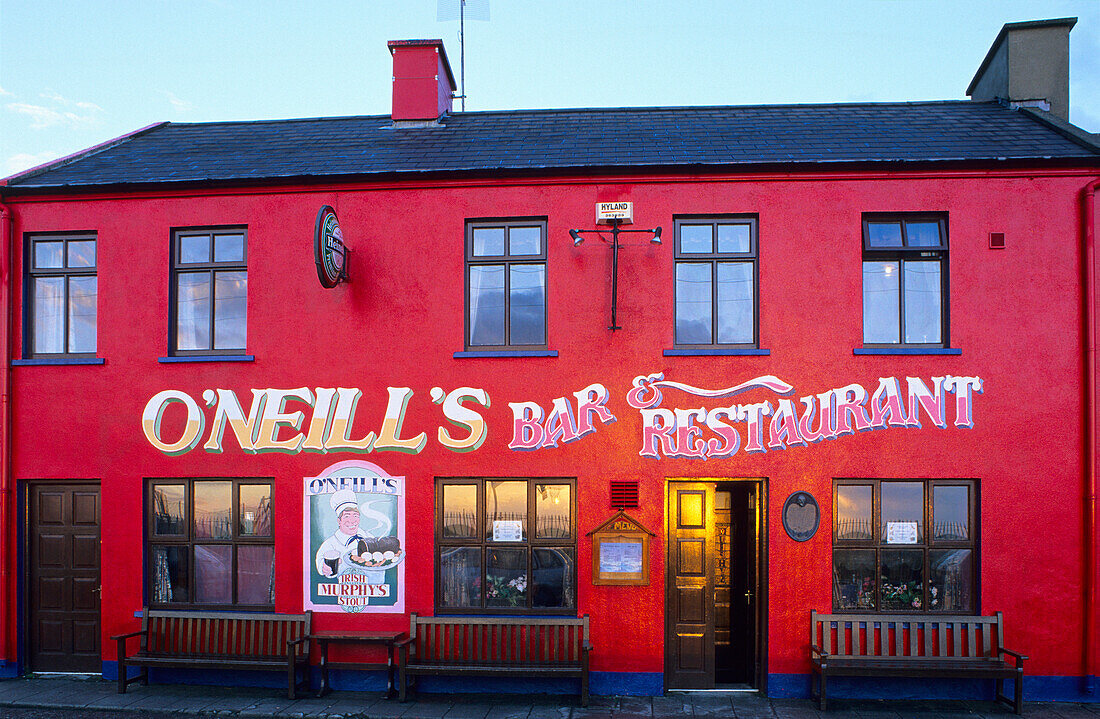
(761, 669)
(24, 548)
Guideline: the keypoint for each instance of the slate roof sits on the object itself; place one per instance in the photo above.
(735, 137)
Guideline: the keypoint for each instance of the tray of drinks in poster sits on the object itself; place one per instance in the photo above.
(376, 553)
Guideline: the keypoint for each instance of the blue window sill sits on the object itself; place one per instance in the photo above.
(206, 358)
(41, 362)
(907, 351)
(716, 352)
(506, 353)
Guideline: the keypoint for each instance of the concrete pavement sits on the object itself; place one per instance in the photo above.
(97, 695)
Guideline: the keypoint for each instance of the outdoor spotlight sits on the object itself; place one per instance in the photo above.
(577, 239)
(656, 236)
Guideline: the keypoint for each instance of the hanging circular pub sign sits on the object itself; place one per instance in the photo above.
(328, 248)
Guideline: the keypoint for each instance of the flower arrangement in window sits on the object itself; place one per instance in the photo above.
(902, 595)
(511, 591)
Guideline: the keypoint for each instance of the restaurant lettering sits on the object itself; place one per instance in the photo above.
(774, 420)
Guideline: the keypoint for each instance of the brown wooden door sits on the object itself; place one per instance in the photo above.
(689, 588)
(63, 587)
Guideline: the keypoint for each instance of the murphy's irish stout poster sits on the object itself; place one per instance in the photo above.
(354, 540)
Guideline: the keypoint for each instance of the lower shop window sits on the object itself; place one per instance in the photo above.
(505, 546)
(210, 543)
(905, 546)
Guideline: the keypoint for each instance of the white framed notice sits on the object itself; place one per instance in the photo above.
(507, 530)
(901, 532)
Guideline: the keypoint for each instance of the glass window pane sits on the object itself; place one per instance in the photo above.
(194, 248)
(213, 576)
(506, 577)
(884, 234)
(505, 506)
(230, 310)
(854, 519)
(193, 311)
(735, 238)
(460, 510)
(229, 247)
(853, 579)
(693, 303)
(169, 510)
(488, 241)
(486, 305)
(950, 513)
(696, 238)
(735, 303)
(213, 510)
(552, 577)
(902, 504)
(460, 577)
(47, 255)
(81, 253)
(82, 313)
(527, 307)
(49, 315)
(922, 302)
(524, 240)
(170, 574)
(951, 584)
(255, 574)
(255, 511)
(880, 303)
(902, 579)
(922, 234)
(552, 511)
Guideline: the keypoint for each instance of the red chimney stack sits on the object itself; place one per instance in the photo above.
(423, 83)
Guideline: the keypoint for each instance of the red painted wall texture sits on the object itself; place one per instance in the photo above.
(1015, 314)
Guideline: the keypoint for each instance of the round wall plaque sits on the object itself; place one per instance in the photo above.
(328, 248)
(801, 516)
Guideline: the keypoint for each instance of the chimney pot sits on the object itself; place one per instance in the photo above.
(423, 84)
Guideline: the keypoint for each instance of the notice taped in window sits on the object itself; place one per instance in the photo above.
(901, 532)
(507, 530)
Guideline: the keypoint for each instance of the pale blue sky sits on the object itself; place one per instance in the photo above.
(74, 73)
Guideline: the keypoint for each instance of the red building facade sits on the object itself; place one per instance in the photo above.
(905, 341)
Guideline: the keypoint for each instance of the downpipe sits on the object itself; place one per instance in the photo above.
(7, 498)
(1092, 561)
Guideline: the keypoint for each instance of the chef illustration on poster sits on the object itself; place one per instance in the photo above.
(354, 539)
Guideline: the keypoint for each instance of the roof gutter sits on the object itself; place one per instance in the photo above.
(1092, 538)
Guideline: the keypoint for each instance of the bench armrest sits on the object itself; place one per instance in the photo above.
(296, 642)
(126, 636)
(587, 646)
(1020, 658)
(816, 651)
(404, 642)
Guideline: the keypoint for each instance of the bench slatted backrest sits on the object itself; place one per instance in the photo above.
(908, 636)
(498, 641)
(237, 634)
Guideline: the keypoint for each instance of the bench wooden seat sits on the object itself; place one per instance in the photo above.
(218, 640)
(495, 646)
(904, 645)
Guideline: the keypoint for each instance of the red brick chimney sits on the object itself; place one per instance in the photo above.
(423, 83)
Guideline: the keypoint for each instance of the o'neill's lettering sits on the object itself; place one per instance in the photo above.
(269, 427)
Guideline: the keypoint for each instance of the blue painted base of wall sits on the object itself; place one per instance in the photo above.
(603, 683)
(8, 670)
(1036, 688)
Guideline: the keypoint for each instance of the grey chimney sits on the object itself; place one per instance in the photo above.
(1028, 66)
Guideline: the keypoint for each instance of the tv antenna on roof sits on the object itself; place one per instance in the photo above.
(458, 10)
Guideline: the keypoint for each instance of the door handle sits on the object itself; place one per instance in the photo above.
(97, 590)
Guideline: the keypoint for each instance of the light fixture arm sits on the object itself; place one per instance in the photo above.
(615, 230)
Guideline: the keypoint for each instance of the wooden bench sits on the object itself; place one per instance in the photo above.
(495, 646)
(218, 640)
(928, 645)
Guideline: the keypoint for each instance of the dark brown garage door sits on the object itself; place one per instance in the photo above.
(63, 567)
